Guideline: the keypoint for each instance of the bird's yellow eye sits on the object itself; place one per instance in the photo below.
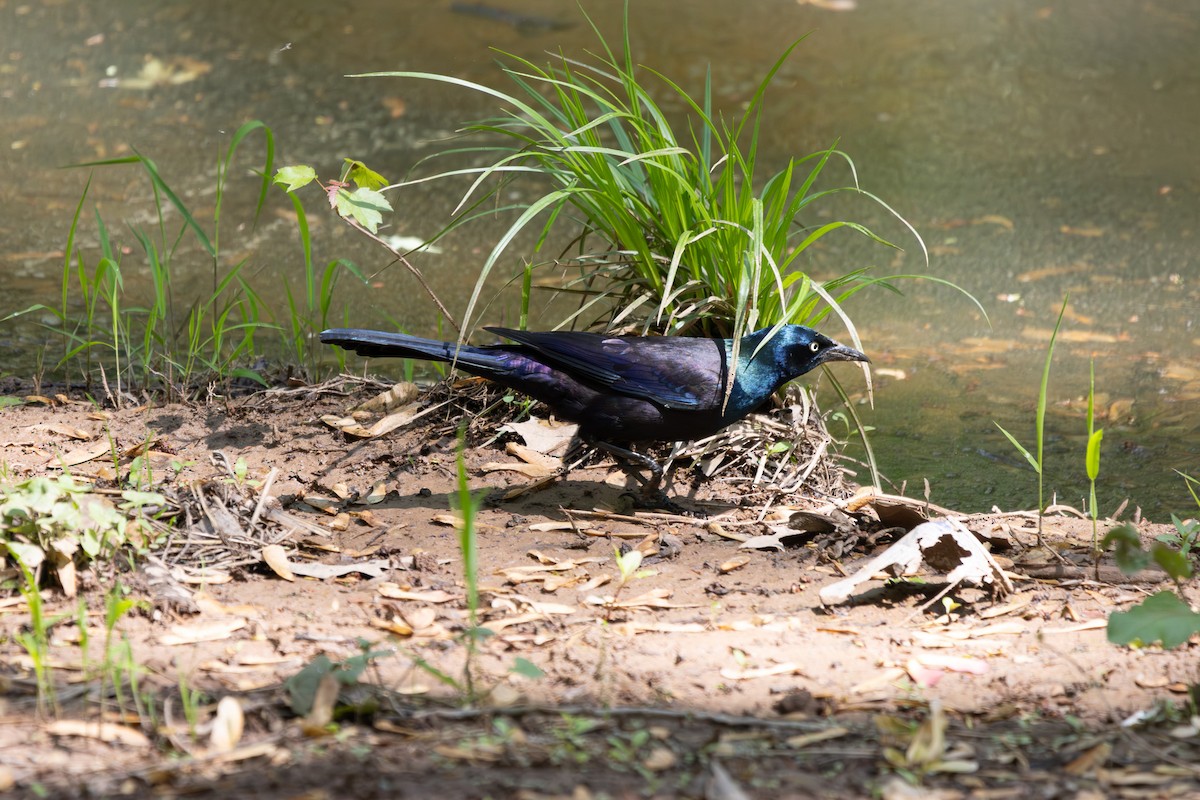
(815, 346)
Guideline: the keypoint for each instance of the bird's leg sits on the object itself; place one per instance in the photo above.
(652, 495)
(625, 459)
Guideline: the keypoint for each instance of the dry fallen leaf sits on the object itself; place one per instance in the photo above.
(994, 219)
(1089, 760)
(227, 725)
(324, 699)
(420, 617)
(540, 483)
(805, 739)
(79, 456)
(633, 627)
(542, 436)
(394, 592)
(521, 468)
(67, 577)
(751, 673)
(946, 545)
(531, 456)
(204, 576)
(736, 562)
(375, 568)
(276, 558)
(655, 598)
(1090, 232)
(101, 731)
(70, 431)
(399, 395)
(1052, 271)
(885, 678)
(208, 631)
(1072, 336)
(1090, 625)
(394, 625)
(660, 759)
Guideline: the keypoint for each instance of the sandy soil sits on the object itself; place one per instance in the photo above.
(718, 671)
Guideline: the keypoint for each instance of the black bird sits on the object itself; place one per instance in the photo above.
(626, 389)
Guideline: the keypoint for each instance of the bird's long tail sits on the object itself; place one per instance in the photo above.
(383, 344)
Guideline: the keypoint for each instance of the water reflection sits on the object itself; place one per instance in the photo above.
(1040, 148)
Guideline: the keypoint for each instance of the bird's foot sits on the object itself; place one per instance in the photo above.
(658, 501)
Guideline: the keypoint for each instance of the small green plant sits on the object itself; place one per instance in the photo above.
(1040, 429)
(303, 687)
(571, 742)
(627, 572)
(163, 339)
(1092, 457)
(362, 208)
(1185, 535)
(120, 668)
(1164, 617)
(1186, 531)
(627, 751)
(191, 699)
(35, 638)
(60, 521)
(131, 338)
(468, 504)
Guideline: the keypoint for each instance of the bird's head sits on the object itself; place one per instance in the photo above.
(800, 349)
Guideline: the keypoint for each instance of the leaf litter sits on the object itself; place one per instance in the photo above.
(544, 559)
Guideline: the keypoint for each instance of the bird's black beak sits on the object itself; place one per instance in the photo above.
(839, 352)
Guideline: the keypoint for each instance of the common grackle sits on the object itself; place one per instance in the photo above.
(625, 389)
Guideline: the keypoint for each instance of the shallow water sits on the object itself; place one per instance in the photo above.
(1039, 148)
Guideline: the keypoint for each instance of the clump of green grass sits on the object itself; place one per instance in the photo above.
(676, 227)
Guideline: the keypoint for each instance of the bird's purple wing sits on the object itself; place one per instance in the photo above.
(671, 371)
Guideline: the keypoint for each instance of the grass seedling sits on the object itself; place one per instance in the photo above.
(154, 338)
(313, 316)
(214, 333)
(1037, 463)
(1092, 460)
(191, 699)
(119, 666)
(468, 504)
(35, 638)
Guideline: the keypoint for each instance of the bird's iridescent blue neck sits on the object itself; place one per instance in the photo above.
(756, 376)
